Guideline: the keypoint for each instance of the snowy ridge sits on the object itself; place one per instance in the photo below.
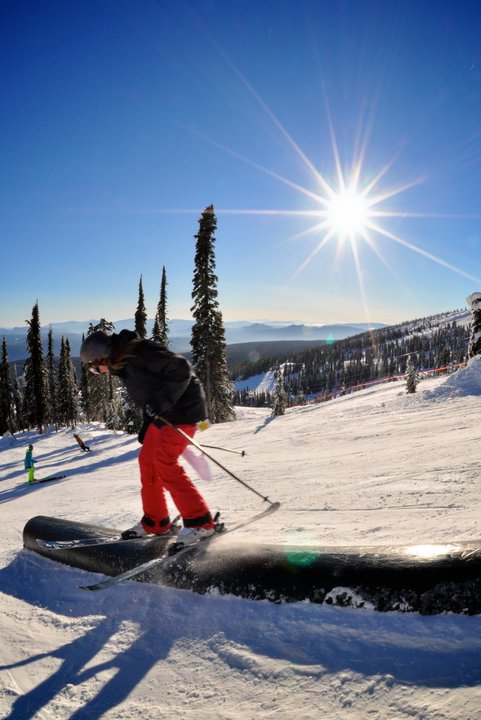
(434, 342)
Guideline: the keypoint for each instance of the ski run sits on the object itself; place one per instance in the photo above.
(374, 468)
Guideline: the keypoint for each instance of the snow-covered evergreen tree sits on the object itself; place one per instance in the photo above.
(67, 385)
(6, 409)
(279, 396)
(129, 416)
(411, 376)
(208, 343)
(100, 387)
(474, 302)
(18, 419)
(52, 382)
(156, 330)
(85, 390)
(35, 376)
(116, 412)
(301, 399)
(161, 330)
(115, 418)
(141, 314)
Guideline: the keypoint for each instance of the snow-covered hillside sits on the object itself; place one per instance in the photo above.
(431, 342)
(372, 468)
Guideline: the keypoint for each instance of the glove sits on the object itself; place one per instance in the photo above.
(149, 410)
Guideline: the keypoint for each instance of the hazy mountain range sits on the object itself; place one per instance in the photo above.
(180, 332)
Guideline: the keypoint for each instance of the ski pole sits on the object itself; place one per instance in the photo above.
(199, 447)
(216, 447)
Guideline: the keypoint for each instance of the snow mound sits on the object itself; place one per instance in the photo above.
(7, 441)
(465, 381)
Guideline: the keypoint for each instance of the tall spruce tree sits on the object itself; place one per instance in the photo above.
(85, 390)
(156, 330)
(6, 408)
(18, 416)
(35, 375)
(101, 388)
(411, 376)
(141, 314)
(208, 343)
(280, 395)
(161, 330)
(52, 381)
(67, 385)
(123, 410)
(474, 302)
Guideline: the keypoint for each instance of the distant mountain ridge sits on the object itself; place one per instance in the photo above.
(237, 332)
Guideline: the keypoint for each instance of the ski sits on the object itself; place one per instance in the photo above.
(47, 479)
(175, 550)
(101, 539)
(93, 541)
(78, 543)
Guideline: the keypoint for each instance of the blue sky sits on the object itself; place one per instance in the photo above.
(122, 120)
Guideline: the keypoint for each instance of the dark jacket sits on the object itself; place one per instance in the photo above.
(161, 379)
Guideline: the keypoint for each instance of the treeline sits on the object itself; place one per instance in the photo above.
(385, 352)
(50, 392)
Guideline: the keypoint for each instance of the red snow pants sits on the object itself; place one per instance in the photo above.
(160, 470)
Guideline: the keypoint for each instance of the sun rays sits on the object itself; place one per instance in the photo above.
(355, 210)
(352, 212)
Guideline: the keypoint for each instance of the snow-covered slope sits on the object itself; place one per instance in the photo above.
(372, 468)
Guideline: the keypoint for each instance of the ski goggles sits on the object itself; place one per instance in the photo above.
(94, 366)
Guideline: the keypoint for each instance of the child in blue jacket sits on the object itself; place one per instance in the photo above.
(29, 462)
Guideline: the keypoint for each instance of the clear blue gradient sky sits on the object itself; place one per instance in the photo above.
(121, 120)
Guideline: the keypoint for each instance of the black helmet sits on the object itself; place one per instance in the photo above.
(97, 346)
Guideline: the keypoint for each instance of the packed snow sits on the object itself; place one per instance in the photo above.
(375, 467)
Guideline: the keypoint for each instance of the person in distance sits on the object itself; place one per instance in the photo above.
(29, 465)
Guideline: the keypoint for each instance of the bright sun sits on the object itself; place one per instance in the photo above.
(347, 214)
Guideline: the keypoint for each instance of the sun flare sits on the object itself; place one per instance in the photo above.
(353, 208)
(347, 214)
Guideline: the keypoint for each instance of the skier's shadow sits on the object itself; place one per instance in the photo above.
(130, 668)
(127, 667)
(263, 425)
(411, 649)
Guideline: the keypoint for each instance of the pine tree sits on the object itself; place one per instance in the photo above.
(140, 314)
(6, 409)
(411, 376)
(52, 382)
(35, 375)
(18, 420)
(67, 385)
(118, 410)
(101, 388)
(114, 419)
(85, 390)
(156, 330)
(474, 301)
(161, 331)
(208, 343)
(280, 395)
(130, 416)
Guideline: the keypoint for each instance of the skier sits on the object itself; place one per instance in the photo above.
(160, 383)
(29, 465)
(83, 446)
